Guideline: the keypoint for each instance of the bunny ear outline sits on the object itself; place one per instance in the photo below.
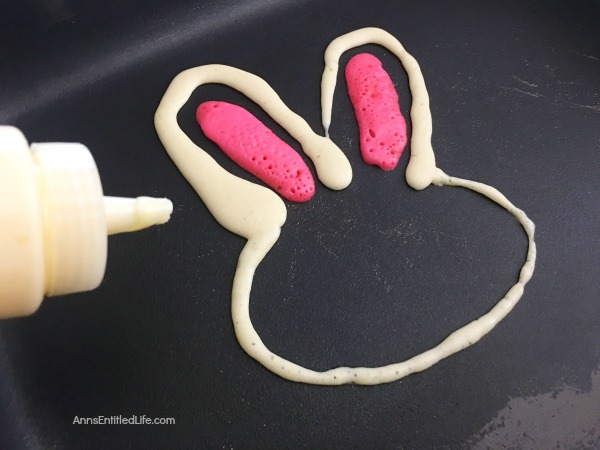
(241, 206)
(421, 171)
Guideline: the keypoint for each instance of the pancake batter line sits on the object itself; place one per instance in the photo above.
(257, 213)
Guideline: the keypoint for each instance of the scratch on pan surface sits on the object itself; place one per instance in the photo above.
(525, 82)
(521, 91)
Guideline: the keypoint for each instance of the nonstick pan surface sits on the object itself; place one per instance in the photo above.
(367, 276)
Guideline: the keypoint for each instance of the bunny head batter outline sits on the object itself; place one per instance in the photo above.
(257, 213)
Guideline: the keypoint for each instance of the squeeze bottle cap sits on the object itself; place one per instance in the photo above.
(54, 221)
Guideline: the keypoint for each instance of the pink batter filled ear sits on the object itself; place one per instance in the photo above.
(382, 126)
(254, 147)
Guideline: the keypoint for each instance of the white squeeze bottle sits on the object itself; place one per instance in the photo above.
(54, 221)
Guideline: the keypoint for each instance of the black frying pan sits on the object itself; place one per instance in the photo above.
(367, 276)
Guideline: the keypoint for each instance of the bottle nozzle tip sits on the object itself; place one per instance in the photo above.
(153, 211)
(132, 214)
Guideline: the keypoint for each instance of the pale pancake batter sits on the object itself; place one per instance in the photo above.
(257, 213)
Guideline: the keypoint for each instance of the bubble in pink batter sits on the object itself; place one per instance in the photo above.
(382, 126)
(254, 147)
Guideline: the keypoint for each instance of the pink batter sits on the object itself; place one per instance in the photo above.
(253, 146)
(382, 126)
